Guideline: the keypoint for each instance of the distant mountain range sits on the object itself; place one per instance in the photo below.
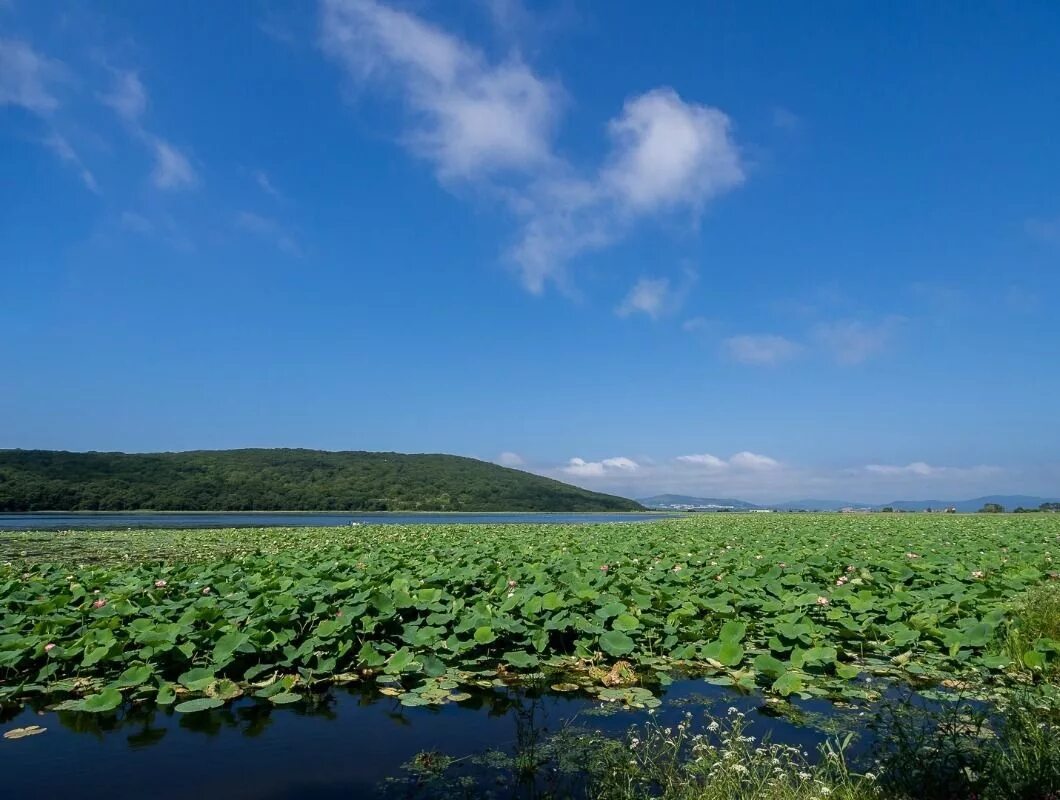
(1007, 501)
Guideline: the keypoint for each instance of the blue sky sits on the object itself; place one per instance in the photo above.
(724, 249)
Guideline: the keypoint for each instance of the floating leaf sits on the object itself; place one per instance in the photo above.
(198, 704)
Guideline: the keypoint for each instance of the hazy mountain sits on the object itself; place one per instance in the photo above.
(1009, 502)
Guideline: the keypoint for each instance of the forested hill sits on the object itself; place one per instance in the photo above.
(280, 479)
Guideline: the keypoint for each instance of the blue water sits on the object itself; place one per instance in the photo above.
(345, 745)
(49, 521)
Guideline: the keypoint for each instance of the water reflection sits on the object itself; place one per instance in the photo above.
(345, 742)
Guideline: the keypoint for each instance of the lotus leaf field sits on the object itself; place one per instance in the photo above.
(806, 605)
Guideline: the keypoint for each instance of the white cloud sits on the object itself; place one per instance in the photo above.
(136, 223)
(268, 229)
(922, 469)
(852, 342)
(25, 77)
(491, 123)
(744, 460)
(172, 169)
(694, 324)
(704, 460)
(261, 178)
(510, 459)
(753, 461)
(472, 117)
(65, 151)
(760, 349)
(670, 153)
(127, 97)
(608, 466)
(648, 296)
(755, 477)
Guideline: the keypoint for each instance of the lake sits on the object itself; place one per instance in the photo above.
(55, 521)
(347, 744)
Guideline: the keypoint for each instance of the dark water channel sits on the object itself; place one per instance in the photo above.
(345, 746)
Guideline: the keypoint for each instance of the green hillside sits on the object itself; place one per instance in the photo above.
(280, 480)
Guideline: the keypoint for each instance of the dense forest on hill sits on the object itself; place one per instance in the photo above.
(280, 480)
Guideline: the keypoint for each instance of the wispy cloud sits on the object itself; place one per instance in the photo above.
(27, 78)
(921, 469)
(261, 178)
(648, 296)
(763, 350)
(1045, 229)
(172, 169)
(128, 98)
(269, 230)
(491, 123)
(852, 342)
(65, 151)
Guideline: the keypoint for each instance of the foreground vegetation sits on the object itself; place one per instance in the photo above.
(792, 605)
(280, 480)
(954, 751)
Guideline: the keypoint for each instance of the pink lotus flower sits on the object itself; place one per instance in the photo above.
(206, 590)
(851, 568)
(978, 574)
(49, 647)
(823, 601)
(99, 603)
(160, 584)
(512, 584)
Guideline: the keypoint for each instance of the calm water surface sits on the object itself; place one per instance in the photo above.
(265, 519)
(345, 747)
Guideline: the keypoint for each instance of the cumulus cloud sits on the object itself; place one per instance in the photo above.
(596, 469)
(704, 460)
(470, 117)
(760, 349)
(744, 460)
(753, 461)
(759, 478)
(510, 459)
(491, 123)
(670, 153)
(852, 342)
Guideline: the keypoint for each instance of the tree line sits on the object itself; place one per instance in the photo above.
(280, 480)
